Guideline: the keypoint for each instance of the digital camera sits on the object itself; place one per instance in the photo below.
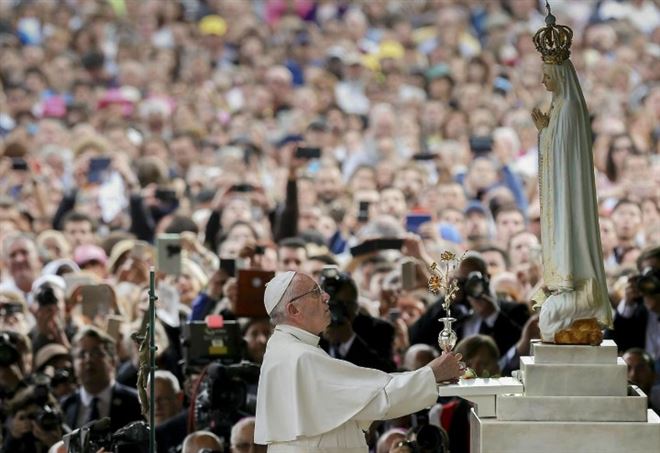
(343, 294)
(648, 282)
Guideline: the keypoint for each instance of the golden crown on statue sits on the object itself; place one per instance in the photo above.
(553, 41)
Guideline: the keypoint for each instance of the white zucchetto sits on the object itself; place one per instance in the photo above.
(276, 288)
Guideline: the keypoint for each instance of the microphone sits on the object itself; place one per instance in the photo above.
(102, 424)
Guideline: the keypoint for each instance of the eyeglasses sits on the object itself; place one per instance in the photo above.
(95, 353)
(161, 400)
(317, 291)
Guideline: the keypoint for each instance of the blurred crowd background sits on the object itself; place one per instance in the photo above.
(121, 120)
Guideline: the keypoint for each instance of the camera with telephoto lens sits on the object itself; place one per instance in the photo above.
(62, 376)
(46, 296)
(424, 437)
(8, 351)
(343, 294)
(223, 396)
(132, 438)
(475, 285)
(47, 416)
(648, 281)
(9, 309)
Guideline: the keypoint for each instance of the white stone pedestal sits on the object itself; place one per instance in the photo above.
(576, 399)
(490, 435)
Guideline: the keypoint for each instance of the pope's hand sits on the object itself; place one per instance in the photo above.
(447, 367)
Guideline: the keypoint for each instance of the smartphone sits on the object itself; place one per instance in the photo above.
(502, 85)
(229, 266)
(363, 212)
(141, 250)
(168, 253)
(98, 170)
(168, 304)
(72, 281)
(376, 245)
(96, 300)
(307, 152)
(251, 285)
(388, 244)
(408, 275)
(481, 145)
(424, 156)
(415, 220)
(166, 195)
(19, 164)
(242, 188)
(114, 325)
(259, 249)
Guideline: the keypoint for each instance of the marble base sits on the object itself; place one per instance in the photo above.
(606, 353)
(544, 379)
(631, 408)
(491, 435)
(483, 392)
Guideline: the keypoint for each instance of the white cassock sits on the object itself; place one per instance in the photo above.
(572, 258)
(308, 401)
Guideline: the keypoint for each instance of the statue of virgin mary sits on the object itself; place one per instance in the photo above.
(574, 301)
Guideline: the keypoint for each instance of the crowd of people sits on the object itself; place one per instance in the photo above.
(286, 134)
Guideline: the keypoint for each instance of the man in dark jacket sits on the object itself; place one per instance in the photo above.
(99, 395)
(340, 339)
(637, 319)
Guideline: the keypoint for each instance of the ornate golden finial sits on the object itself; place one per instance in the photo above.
(553, 41)
(441, 281)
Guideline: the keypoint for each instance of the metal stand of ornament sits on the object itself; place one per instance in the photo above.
(152, 359)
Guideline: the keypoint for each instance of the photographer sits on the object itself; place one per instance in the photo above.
(50, 326)
(339, 339)
(14, 314)
(15, 364)
(55, 361)
(637, 319)
(35, 421)
(478, 312)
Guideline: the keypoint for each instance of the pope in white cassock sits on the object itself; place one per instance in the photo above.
(308, 401)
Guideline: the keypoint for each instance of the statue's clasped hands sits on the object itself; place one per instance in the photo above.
(540, 119)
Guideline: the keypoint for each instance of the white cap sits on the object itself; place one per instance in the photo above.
(276, 288)
(53, 280)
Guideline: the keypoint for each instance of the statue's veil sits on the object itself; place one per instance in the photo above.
(568, 97)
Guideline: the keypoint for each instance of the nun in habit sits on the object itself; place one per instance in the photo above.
(574, 277)
(308, 401)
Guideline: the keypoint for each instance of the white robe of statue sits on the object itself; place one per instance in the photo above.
(572, 256)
